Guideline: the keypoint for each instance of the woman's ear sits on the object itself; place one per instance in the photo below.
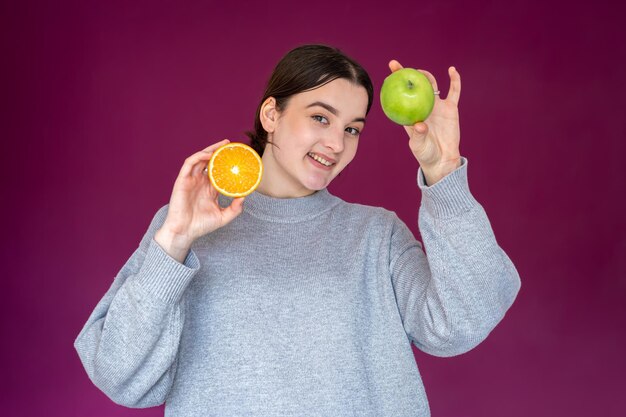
(269, 114)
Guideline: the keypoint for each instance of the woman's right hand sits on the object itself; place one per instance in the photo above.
(194, 210)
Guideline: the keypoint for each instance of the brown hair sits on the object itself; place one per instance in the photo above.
(305, 68)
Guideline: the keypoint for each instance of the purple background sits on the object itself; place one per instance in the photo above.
(102, 101)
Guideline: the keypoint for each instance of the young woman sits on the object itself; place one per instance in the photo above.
(297, 303)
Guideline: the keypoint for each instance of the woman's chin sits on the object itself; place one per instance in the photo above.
(316, 183)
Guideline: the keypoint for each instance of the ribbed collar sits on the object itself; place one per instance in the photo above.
(289, 210)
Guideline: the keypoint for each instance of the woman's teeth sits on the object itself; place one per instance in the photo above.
(320, 159)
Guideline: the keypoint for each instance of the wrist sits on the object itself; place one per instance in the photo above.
(175, 245)
(434, 174)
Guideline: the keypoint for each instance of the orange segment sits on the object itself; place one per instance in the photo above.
(235, 169)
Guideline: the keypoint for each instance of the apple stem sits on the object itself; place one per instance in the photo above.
(410, 84)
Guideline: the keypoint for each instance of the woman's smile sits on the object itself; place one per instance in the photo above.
(321, 161)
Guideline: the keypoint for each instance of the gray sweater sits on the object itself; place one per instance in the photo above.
(301, 307)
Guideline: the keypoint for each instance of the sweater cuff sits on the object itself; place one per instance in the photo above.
(163, 276)
(450, 196)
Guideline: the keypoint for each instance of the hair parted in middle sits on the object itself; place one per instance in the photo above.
(306, 68)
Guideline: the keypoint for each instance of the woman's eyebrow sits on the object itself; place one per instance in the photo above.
(332, 109)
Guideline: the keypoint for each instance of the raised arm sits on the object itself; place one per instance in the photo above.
(129, 345)
(451, 299)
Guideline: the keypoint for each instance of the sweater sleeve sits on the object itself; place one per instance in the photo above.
(451, 298)
(130, 342)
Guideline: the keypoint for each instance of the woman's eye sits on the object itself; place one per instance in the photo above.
(353, 131)
(320, 119)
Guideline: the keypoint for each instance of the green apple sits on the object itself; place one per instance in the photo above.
(407, 97)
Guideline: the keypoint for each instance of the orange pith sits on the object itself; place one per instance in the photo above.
(235, 169)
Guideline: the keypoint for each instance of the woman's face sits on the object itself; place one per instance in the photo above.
(314, 137)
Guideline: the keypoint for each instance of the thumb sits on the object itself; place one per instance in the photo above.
(232, 211)
(394, 65)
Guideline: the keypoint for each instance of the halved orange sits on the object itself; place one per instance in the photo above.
(235, 169)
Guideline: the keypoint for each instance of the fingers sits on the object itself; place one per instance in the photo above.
(417, 136)
(417, 132)
(431, 78)
(198, 161)
(420, 128)
(455, 86)
(394, 65)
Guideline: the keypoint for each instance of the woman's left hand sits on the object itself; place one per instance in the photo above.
(435, 142)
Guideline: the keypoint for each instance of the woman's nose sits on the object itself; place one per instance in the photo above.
(333, 140)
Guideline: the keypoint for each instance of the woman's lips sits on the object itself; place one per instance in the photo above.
(321, 160)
